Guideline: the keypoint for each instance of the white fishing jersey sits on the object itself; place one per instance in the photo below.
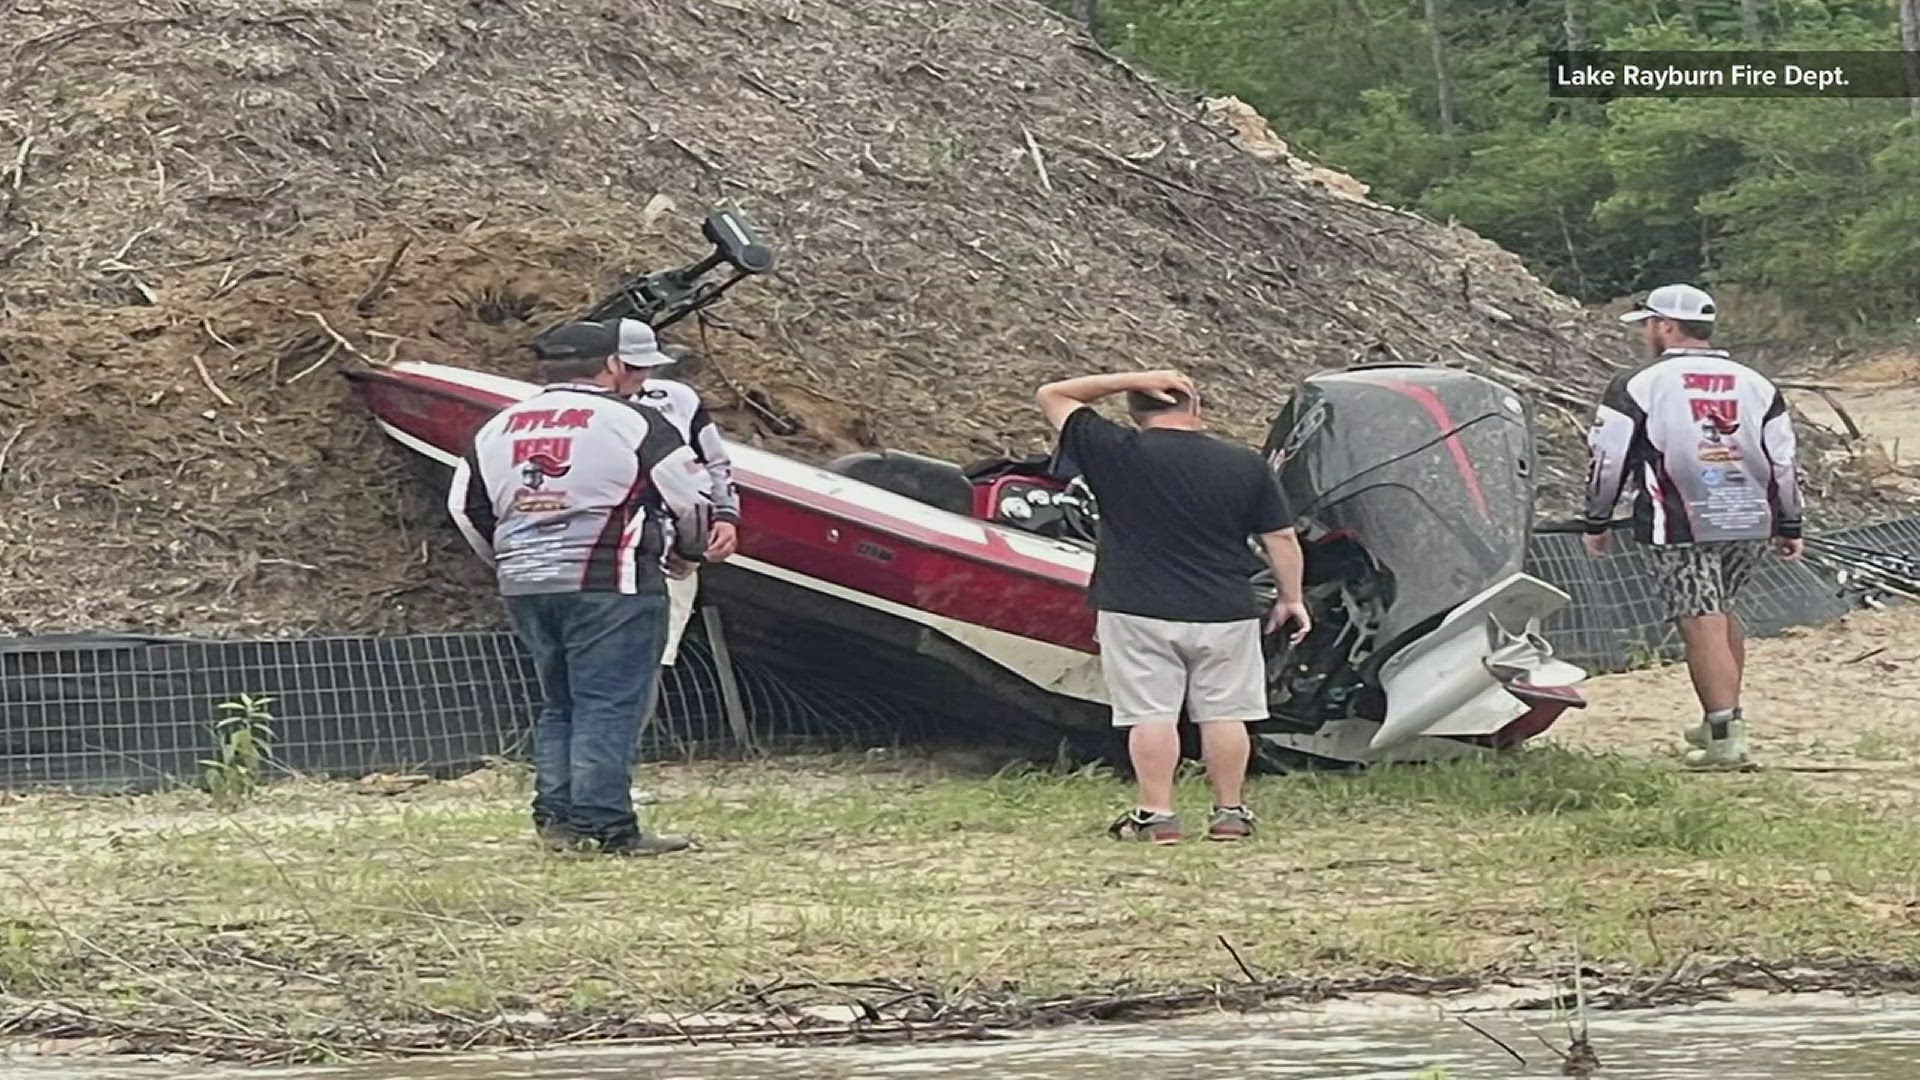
(681, 404)
(1707, 445)
(567, 491)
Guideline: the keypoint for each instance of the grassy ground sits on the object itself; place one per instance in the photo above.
(319, 915)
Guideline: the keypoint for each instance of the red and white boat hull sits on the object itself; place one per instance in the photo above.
(1007, 597)
(969, 619)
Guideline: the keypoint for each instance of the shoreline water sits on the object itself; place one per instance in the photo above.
(1371, 1024)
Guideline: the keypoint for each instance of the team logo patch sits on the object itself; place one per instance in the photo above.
(542, 459)
(1719, 427)
(534, 501)
(1717, 418)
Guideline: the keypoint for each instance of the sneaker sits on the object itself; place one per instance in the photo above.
(643, 845)
(1156, 828)
(1727, 754)
(1230, 823)
(1697, 735)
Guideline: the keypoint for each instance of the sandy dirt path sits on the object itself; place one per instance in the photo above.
(1841, 702)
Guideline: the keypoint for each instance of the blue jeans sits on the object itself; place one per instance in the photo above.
(597, 655)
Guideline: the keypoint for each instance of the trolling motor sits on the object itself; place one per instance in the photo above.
(667, 296)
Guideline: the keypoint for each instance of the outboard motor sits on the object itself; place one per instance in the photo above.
(1413, 491)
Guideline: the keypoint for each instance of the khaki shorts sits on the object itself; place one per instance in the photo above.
(680, 594)
(1153, 666)
(1704, 579)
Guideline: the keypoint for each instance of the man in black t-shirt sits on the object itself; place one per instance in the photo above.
(1179, 621)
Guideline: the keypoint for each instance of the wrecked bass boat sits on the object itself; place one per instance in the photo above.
(962, 591)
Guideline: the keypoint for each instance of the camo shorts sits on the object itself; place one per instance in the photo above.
(1703, 579)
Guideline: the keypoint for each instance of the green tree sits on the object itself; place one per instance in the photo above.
(1533, 191)
(1442, 107)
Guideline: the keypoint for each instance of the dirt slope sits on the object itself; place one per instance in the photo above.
(197, 198)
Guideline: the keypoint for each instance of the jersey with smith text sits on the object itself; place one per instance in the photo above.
(1707, 445)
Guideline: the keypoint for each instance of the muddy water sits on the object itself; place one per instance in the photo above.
(1811, 1037)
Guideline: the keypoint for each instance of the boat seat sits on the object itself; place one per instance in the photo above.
(923, 479)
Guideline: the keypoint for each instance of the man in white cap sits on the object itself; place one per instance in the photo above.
(1709, 447)
(681, 404)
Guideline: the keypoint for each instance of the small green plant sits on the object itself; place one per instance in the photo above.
(23, 961)
(1642, 654)
(244, 737)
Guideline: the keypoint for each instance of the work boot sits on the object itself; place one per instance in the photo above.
(1230, 823)
(643, 845)
(1725, 751)
(557, 837)
(1155, 827)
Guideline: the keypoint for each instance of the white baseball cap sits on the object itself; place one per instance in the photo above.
(639, 348)
(1683, 302)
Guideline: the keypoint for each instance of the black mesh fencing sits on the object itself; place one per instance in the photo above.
(137, 713)
(1616, 621)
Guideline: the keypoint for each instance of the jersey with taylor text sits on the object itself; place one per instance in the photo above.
(567, 490)
(1707, 445)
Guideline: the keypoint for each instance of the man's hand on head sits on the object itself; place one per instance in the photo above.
(1060, 400)
(1164, 384)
